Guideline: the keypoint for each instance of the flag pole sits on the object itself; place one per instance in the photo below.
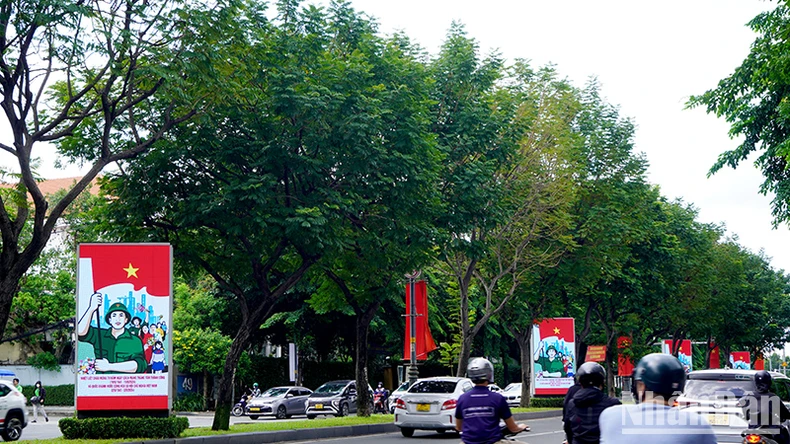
(98, 332)
(413, 372)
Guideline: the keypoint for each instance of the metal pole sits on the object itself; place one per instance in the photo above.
(413, 372)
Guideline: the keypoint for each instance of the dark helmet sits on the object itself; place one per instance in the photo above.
(479, 370)
(591, 374)
(762, 380)
(661, 374)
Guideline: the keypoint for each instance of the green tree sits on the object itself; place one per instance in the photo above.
(754, 100)
(88, 77)
(197, 350)
(261, 187)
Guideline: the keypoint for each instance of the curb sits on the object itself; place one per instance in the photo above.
(318, 433)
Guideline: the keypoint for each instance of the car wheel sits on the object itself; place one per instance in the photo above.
(254, 417)
(13, 429)
(441, 431)
(281, 412)
(407, 432)
(310, 416)
(343, 410)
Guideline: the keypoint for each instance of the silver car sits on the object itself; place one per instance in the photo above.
(282, 402)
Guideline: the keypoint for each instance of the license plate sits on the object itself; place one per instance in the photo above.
(319, 406)
(715, 419)
(255, 409)
(423, 407)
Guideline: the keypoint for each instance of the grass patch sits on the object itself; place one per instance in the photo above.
(531, 409)
(265, 426)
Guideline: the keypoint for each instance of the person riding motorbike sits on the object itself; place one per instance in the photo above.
(659, 377)
(380, 396)
(478, 411)
(764, 410)
(587, 404)
(255, 391)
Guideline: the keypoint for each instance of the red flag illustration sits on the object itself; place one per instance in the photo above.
(562, 328)
(740, 360)
(625, 366)
(423, 339)
(139, 265)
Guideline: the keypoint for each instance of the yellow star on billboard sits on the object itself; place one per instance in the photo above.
(131, 271)
(556, 331)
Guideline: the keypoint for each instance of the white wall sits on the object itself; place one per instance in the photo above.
(28, 375)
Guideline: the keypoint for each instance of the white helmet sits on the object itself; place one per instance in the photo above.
(480, 369)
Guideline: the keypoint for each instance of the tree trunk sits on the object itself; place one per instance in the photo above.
(610, 344)
(205, 390)
(224, 401)
(525, 353)
(363, 396)
(463, 356)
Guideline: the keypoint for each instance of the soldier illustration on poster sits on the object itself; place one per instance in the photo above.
(116, 349)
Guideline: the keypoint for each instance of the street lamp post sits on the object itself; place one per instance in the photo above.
(413, 372)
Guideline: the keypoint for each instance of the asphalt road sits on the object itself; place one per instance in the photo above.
(544, 431)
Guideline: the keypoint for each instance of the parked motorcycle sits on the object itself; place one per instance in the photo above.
(241, 406)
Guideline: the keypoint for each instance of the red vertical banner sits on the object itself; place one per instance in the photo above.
(423, 339)
(625, 366)
(740, 360)
(759, 363)
(554, 356)
(715, 356)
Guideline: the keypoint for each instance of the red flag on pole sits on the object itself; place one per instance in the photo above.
(715, 357)
(423, 338)
(625, 366)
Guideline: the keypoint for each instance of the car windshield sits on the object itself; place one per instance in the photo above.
(330, 388)
(433, 387)
(513, 388)
(714, 389)
(275, 392)
(403, 387)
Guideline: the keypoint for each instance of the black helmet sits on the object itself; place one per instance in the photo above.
(661, 374)
(479, 370)
(762, 380)
(591, 374)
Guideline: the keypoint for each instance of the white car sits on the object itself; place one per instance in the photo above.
(495, 388)
(13, 413)
(512, 394)
(430, 404)
(714, 394)
(396, 394)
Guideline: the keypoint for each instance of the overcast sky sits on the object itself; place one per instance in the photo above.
(648, 56)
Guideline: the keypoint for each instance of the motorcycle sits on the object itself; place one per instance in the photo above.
(754, 436)
(241, 406)
(378, 403)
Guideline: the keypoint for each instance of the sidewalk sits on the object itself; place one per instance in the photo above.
(64, 411)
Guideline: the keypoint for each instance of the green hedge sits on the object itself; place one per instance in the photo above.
(123, 428)
(56, 395)
(546, 402)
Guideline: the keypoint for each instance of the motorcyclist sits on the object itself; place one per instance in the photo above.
(659, 377)
(566, 424)
(383, 394)
(478, 411)
(255, 392)
(764, 410)
(587, 404)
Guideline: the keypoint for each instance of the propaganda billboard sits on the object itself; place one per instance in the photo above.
(684, 352)
(554, 356)
(124, 317)
(740, 360)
